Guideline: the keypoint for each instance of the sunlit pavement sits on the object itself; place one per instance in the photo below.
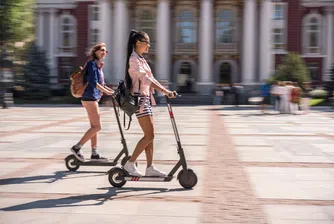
(251, 168)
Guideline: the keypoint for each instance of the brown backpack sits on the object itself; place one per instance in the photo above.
(77, 82)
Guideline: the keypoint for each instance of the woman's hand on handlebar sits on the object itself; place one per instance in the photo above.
(171, 94)
(110, 93)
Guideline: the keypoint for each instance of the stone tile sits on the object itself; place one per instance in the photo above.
(272, 182)
(291, 214)
(8, 167)
(297, 212)
(259, 154)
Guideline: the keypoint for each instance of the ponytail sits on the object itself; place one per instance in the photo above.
(133, 38)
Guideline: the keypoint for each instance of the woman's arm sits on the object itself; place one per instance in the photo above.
(105, 89)
(156, 85)
(92, 79)
(140, 72)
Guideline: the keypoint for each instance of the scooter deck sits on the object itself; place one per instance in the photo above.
(146, 178)
(89, 162)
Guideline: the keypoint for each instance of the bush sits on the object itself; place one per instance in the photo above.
(319, 93)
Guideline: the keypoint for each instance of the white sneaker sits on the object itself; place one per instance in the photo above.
(131, 168)
(152, 171)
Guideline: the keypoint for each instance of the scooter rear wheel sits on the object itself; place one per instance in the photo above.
(188, 179)
(113, 174)
(69, 163)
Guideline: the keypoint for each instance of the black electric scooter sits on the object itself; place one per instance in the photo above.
(187, 177)
(73, 163)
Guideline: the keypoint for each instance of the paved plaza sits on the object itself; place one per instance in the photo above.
(251, 167)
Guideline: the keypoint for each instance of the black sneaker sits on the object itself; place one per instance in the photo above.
(97, 157)
(77, 154)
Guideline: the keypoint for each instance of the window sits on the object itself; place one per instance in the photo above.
(279, 26)
(313, 69)
(278, 38)
(67, 33)
(95, 13)
(95, 36)
(278, 12)
(94, 25)
(312, 34)
(186, 27)
(146, 23)
(225, 26)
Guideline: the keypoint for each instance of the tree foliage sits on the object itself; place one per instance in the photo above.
(16, 21)
(292, 69)
(36, 74)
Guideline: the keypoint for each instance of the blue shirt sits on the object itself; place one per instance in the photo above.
(92, 76)
(265, 90)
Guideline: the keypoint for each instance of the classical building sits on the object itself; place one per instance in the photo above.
(195, 44)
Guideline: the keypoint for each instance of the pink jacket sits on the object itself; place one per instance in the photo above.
(140, 70)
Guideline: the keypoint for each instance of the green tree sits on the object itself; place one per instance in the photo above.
(36, 74)
(16, 21)
(292, 69)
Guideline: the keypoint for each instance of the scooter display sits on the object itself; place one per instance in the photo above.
(73, 163)
(187, 177)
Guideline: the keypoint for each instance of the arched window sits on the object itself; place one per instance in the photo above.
(146, 23)
(312, 34)
(225, 26)
(67, 33)
(186, 27)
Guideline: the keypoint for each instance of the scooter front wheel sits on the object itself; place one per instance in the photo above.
(114, 174)
(69, 163)
(188, 179)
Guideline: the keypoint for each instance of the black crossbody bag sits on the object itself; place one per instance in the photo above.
(126, 101)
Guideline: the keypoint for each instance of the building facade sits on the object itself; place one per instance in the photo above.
(195, 44)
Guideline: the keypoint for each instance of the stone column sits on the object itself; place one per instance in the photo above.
(39, 28)
(266, 54)
(163, 58)
(248, 45)
(163, 46)
(105, 32)
(51, 53)
(329, 45)
(120, 39)
(205, 75)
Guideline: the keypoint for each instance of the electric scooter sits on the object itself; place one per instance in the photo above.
(187, 177)
(73, 163)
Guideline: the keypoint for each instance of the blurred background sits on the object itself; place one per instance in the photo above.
(211, 51)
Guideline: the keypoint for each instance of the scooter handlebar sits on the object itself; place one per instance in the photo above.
(175, 95)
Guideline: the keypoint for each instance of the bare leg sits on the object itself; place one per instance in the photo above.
(93, 141)
(146, 124)
(93, 112)
(149, 153)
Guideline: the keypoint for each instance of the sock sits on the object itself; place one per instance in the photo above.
(94, 151)
(78, 146)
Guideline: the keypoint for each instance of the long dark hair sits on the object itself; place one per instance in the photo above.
(133, 38)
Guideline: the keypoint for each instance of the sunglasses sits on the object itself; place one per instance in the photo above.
(145, 41)
(103, 50)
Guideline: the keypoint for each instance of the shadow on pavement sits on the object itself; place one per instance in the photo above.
(59, 175)
(232, 108)
(99, 199)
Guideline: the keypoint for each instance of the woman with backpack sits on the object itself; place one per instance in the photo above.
(140, 81)
(90, 100)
